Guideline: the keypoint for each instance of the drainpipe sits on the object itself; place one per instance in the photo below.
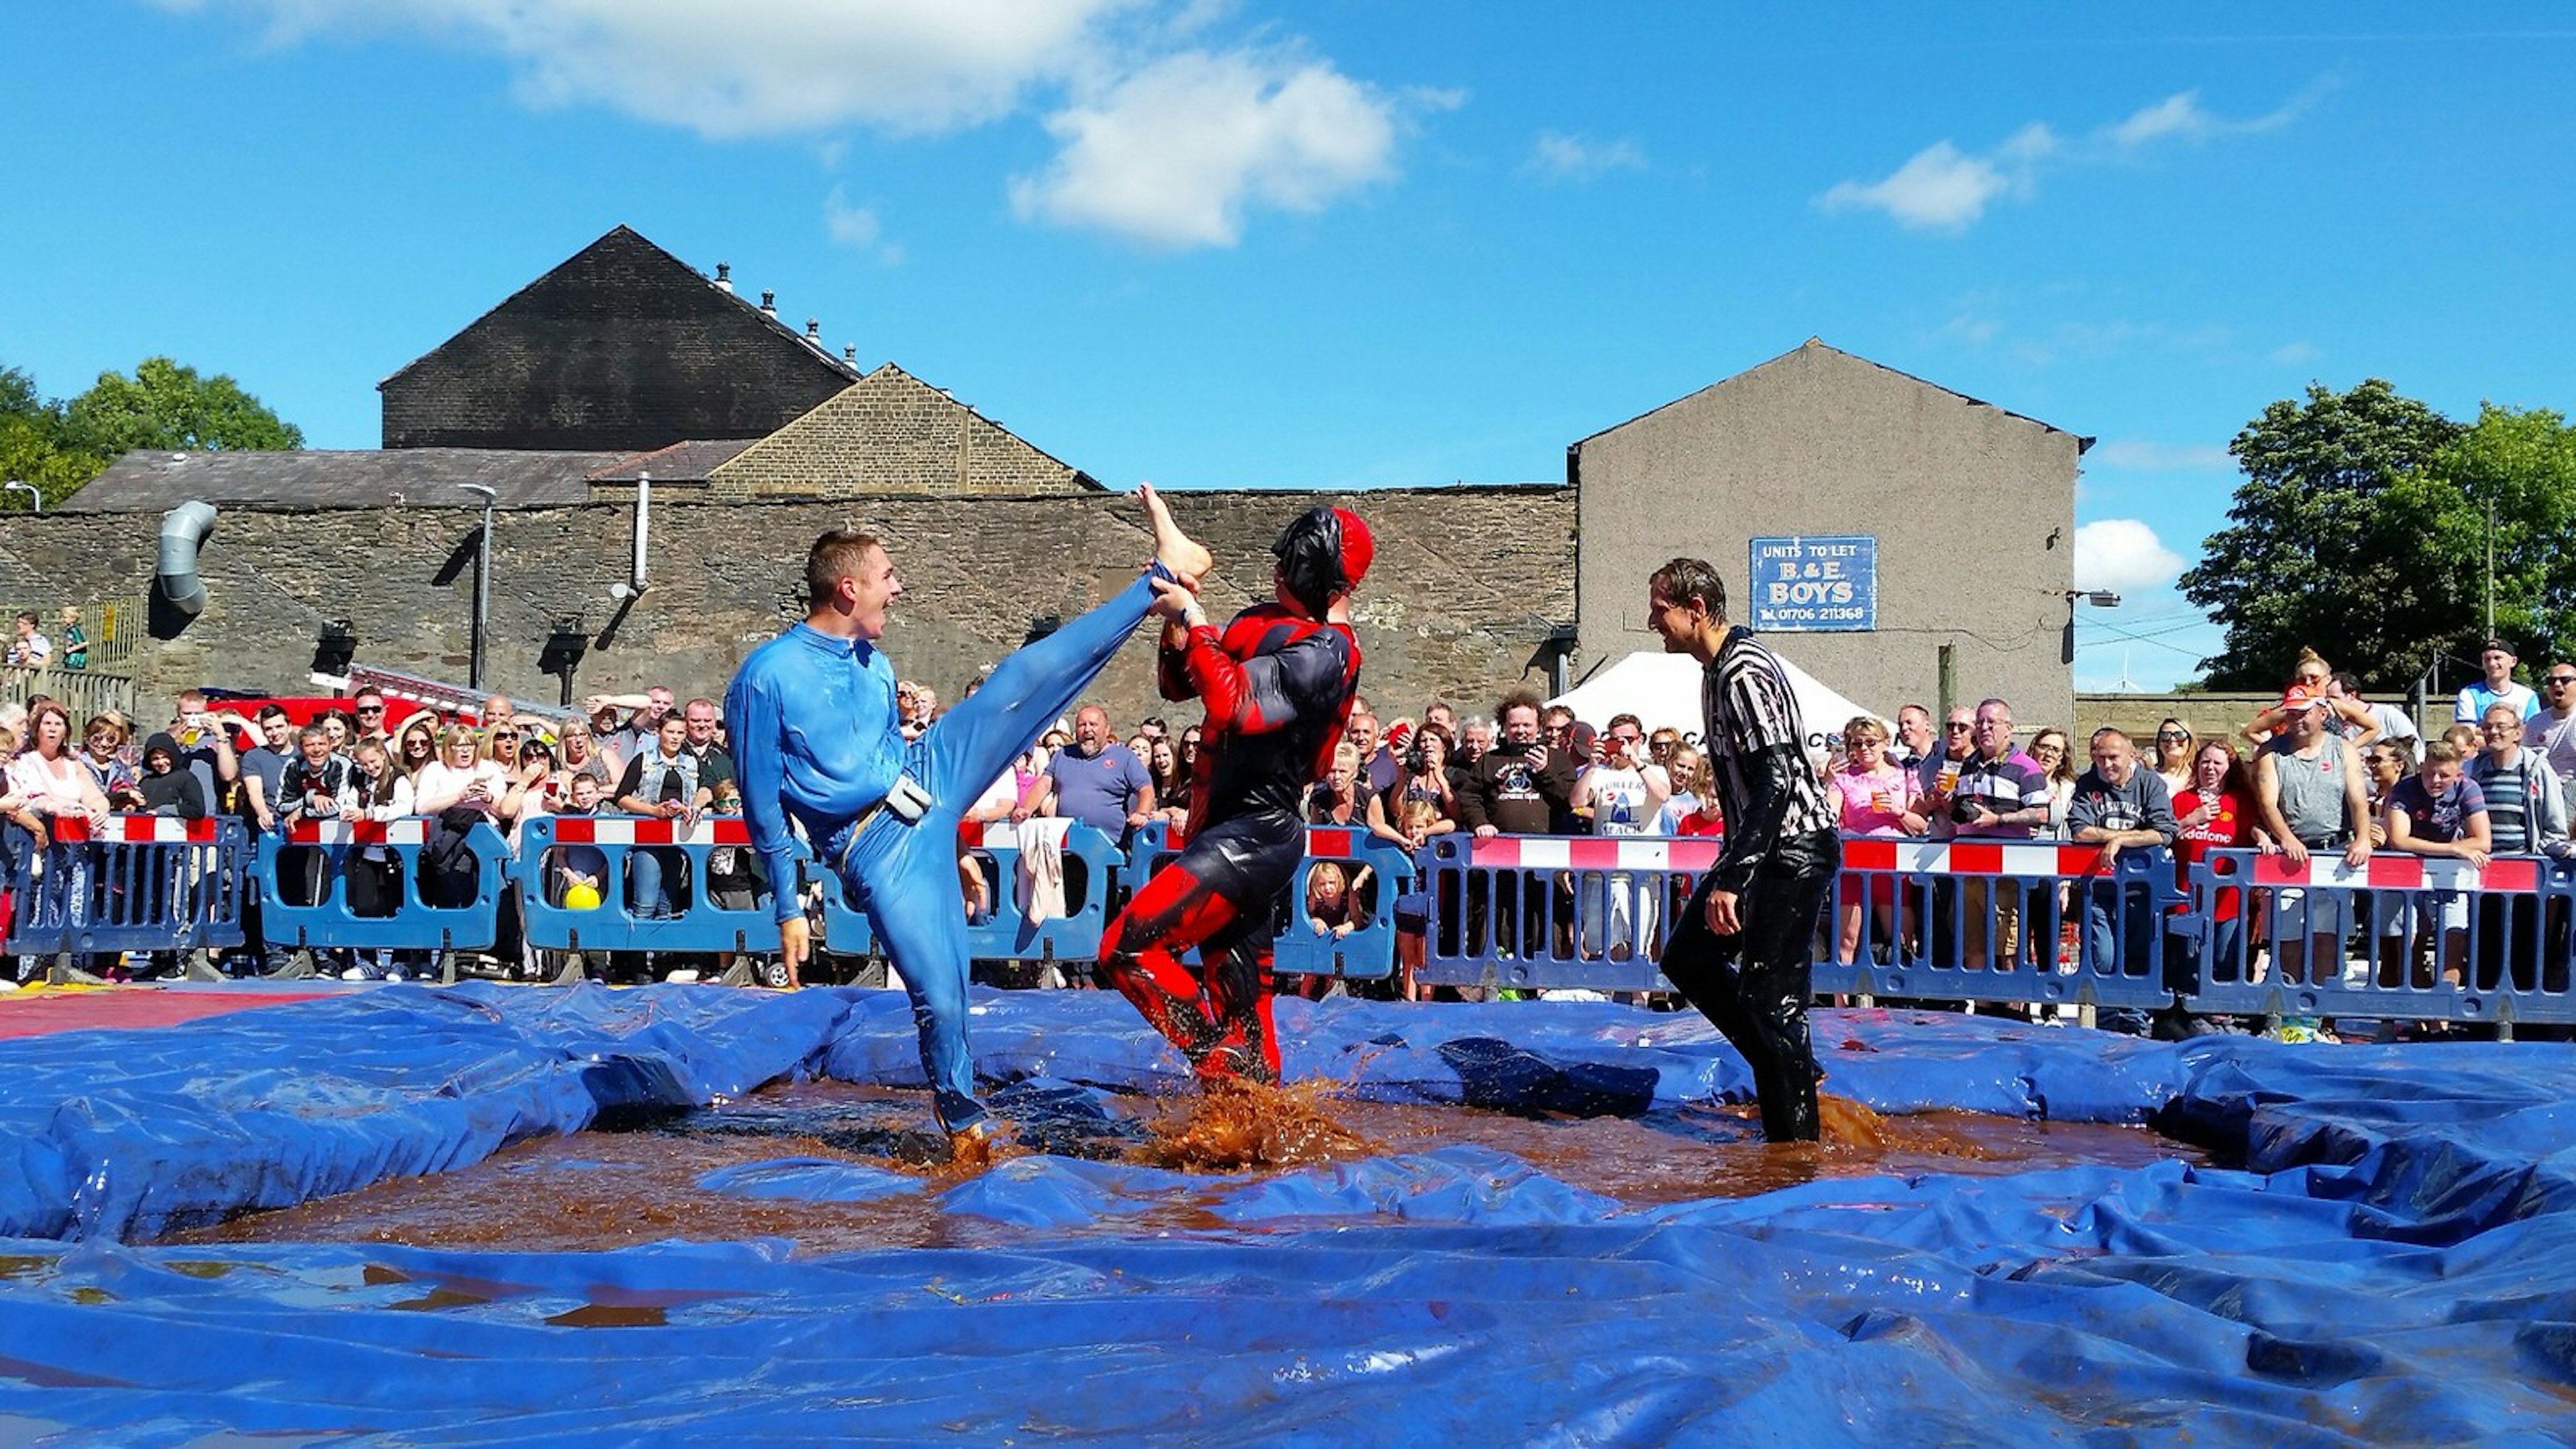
(184, 531)
(635, 586)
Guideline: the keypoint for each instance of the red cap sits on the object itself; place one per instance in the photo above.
(2300, 697)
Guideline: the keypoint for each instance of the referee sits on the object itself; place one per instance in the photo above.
(1742, 951)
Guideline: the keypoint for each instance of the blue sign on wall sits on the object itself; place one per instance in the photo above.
(1815, 584)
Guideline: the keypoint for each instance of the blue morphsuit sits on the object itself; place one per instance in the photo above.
(816, 740)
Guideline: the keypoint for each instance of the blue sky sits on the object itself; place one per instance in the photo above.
(1245, 244)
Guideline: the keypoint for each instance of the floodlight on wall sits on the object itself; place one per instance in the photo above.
(2098, 598)
(335, 649)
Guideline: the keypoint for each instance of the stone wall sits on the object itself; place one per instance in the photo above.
(890, 434)
(1468, 584)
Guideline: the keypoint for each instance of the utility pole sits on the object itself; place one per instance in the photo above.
(2490, 568)
(482, 586)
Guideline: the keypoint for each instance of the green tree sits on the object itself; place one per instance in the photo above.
(168, 406)
(35, 443)
(2522, 462)
(2314, 553)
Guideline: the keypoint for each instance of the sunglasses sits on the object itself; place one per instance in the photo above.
(1956, 724)
(2170, 737)
(2562, 679)
(371, 709)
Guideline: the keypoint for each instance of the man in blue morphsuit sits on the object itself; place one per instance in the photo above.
(816, 739)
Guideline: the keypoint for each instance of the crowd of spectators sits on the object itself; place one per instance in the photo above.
(2324, 771)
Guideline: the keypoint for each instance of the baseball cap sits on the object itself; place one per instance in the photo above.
(2300, 697)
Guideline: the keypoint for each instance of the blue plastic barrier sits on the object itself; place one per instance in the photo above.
(1368, 952)
(2403, 937)
(1990, 920)
(1006, 933)
(329, 920)
(698, 922)
(130, 883)
(1525, 911)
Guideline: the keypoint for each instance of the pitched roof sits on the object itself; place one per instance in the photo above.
(1818, 344)
(679, 463)
(148, 481)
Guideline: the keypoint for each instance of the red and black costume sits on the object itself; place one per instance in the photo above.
(1278, 683)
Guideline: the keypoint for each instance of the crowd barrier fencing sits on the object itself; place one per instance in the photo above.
(323, 887)
(1367, 953)
(661, 885)
(2401, 937)
(128, 883)
(1524, 912)
(1004, 931)
(1986, 921)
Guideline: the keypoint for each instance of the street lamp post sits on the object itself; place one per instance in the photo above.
(35, 497)
(2098, 598)
(482, 584)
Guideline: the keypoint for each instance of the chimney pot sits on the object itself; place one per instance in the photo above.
(850, 353)
(814, 330)
(769, 303)
(724, 276)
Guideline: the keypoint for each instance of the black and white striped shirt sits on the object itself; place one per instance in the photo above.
(1750, 708)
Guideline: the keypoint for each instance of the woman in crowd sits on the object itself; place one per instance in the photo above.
(2173, 754)
(103, 751)
(1342, 796)
(1687, 767)
(1420, 806)
(2050, 751)
(416, 746)
(2217, 813)
(375, 881)
(1869, 796)
(578, 753)
(461, 789)
(52, 783)
(2345, 715)
(1171, 792)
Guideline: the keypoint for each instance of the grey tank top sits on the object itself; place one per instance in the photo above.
(2312, 801)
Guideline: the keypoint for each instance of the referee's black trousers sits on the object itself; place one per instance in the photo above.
(1753, 984)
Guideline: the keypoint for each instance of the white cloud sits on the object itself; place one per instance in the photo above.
(1166, 136)
(1942, 188)
(1174, 154)
(2294, 353)
(2143, 456)
(2122, 553)
(780, 67)
(1560, 157)
(857, 227)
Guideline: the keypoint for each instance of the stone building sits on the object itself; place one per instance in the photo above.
(1962, 516)
(624, 362)
(623, 347)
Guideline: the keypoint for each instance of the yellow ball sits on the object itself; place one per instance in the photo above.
(581, 897)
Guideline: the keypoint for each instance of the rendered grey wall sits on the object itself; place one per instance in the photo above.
(1963, 499)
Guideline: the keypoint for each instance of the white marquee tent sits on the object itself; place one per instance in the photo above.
(1663, 689)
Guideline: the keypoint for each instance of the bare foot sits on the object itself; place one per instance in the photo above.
(1174, 549)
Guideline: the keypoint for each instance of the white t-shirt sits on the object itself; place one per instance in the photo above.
(2475, 700)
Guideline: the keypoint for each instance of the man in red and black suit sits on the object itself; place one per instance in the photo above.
(1278, 683)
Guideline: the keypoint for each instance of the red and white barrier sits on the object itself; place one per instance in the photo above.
(408, 831)
(135, 830)
(2030, 858)
(631, 830)
(2398, 871)
(1599, 852)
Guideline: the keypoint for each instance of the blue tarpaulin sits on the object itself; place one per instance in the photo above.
(2395, 1262)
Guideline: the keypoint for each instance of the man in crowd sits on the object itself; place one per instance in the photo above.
(816, 739)
(2554, 728)
(1517, 788)
(2439, 811)
(2526, 815)
(205, 740)
(2117, 805)
(2395, 725)
(499, 710)
(643, 727)
(1377, 768)
(1440, 715)
(368, 705)
(1997, 793)
(1742, 951)
(1096, 780)
(263, 768)
(715, 763)
(2308, 792)
(2498, 685)
(1278, 683)
(1623, 795)
(1914, 737)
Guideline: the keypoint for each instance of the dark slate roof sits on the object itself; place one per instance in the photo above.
(678, 463)
(152, 482)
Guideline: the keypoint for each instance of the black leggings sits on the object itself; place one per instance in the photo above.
(1753, 984)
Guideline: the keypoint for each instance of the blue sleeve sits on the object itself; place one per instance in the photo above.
(758, 729)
